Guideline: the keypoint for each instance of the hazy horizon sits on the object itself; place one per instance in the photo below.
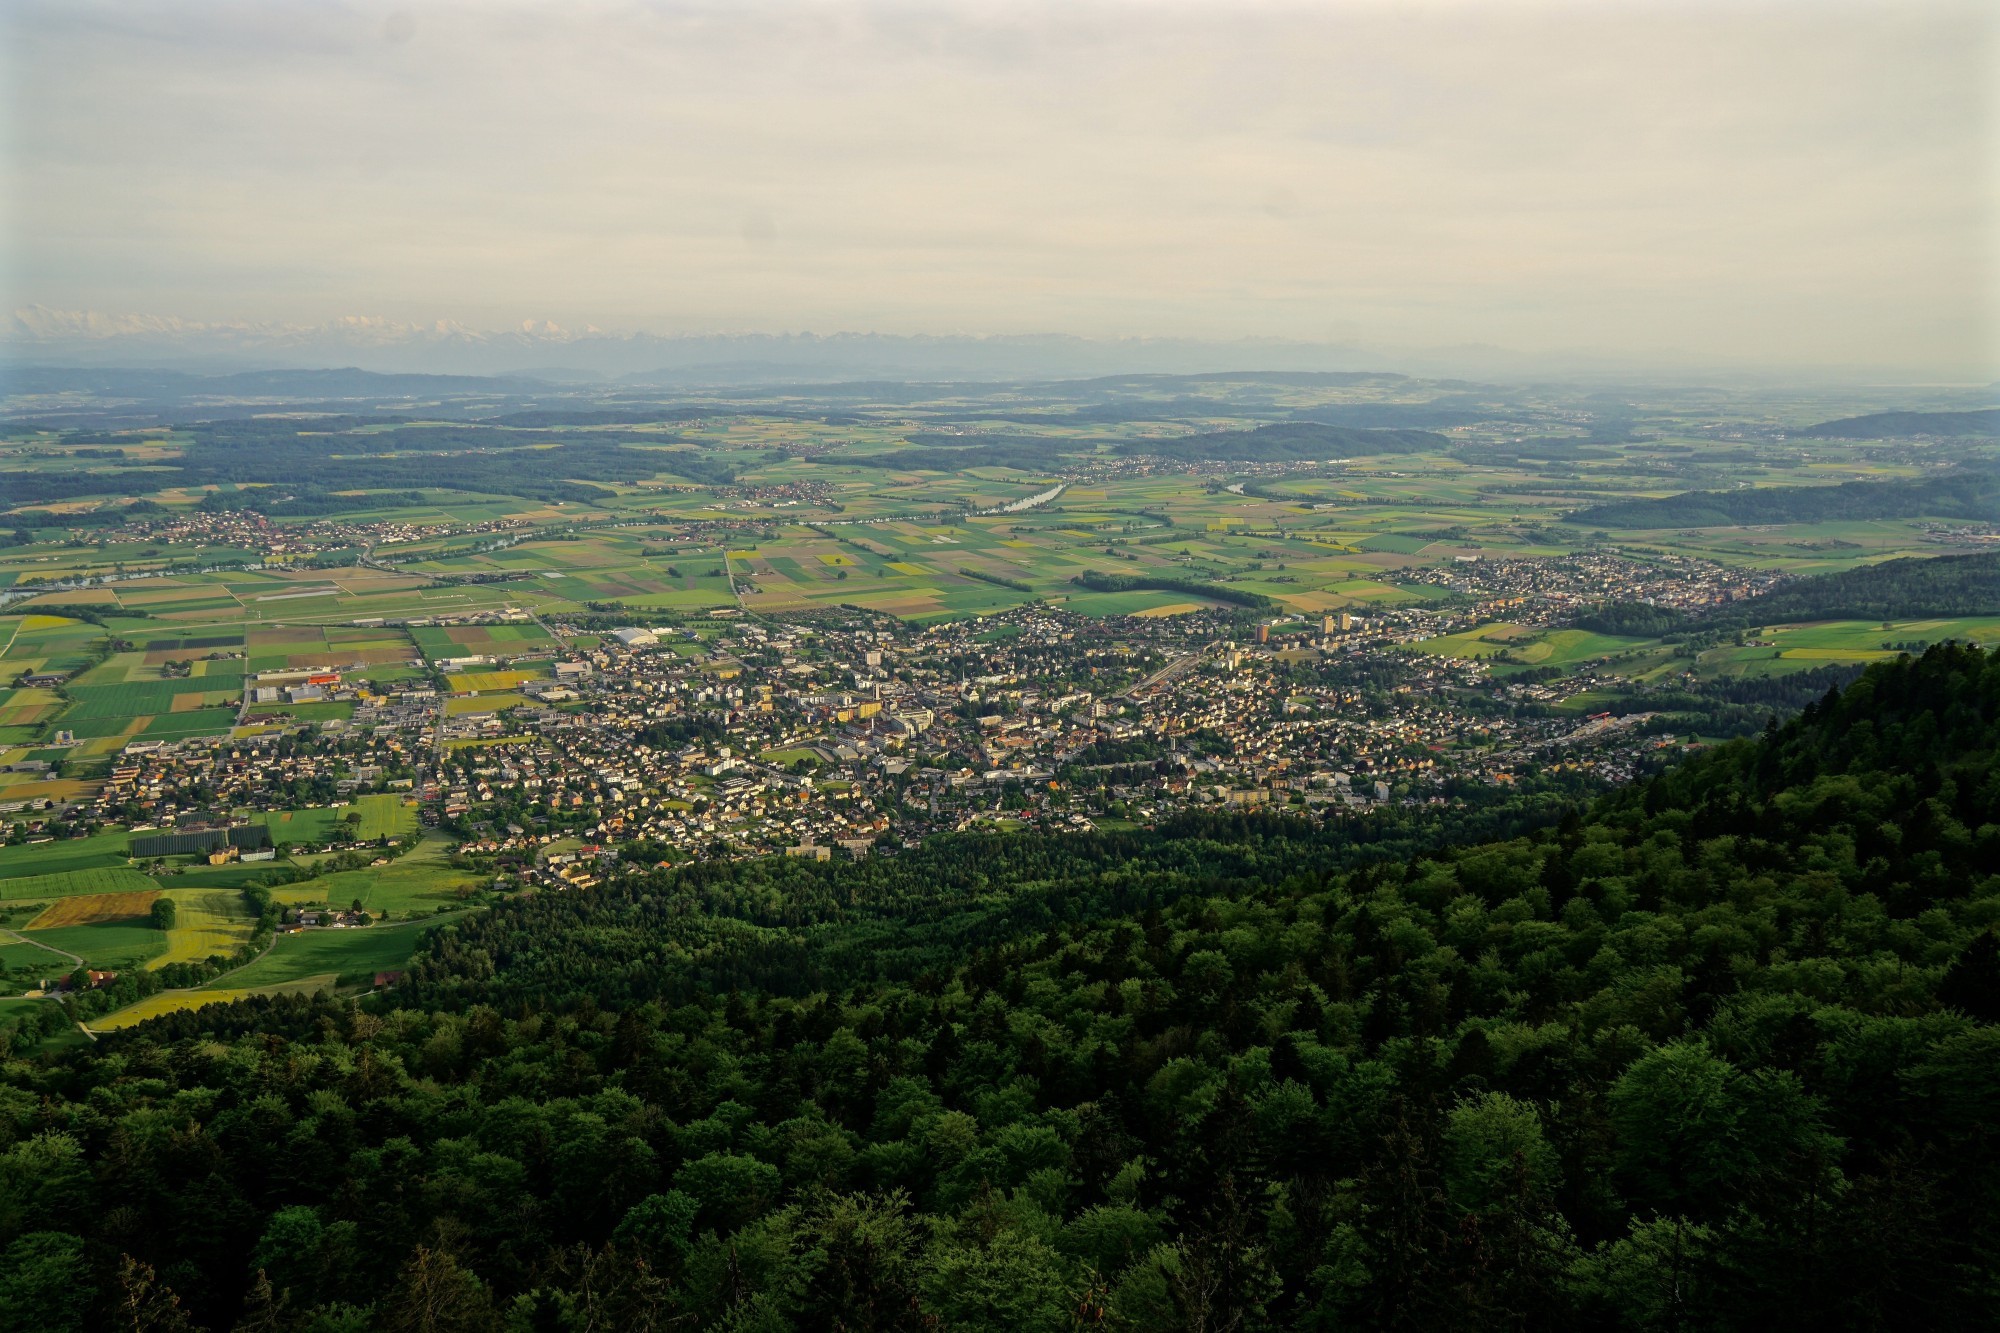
(1771, 187)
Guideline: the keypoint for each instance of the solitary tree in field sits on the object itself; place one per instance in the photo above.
(164, 913)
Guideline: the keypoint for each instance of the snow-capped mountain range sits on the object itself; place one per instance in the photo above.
(39, 335)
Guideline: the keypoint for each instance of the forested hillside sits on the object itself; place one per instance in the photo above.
(1962, 585)
(1970, 493)
(349, 453)
(1953, 585)
(1883, 425)
(1718, 1051)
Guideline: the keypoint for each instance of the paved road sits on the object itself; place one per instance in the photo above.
(23, 939)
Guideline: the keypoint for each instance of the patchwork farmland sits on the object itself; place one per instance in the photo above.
(365, 706)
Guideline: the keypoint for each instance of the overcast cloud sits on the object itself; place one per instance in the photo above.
(1808, 184)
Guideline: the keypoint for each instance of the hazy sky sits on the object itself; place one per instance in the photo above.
(1808, 183)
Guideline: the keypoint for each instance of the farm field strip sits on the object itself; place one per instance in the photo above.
(88, 909)
(323, 956)
(208, 922)
(161, 1003)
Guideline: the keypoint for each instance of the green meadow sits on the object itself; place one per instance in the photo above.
(339, 956)
(63, 855)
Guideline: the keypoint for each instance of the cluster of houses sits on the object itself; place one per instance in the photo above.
(843, 736)
(820, 741)
(1549, 589)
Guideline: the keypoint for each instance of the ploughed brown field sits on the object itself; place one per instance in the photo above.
(93, 908)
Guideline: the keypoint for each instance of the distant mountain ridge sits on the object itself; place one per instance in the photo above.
(43, 336)
(342, 382)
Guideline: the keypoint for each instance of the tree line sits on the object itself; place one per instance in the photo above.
(1100, 581)
(303, 467)
(1971, 493)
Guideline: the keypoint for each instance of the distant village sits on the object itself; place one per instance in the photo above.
(852, 735)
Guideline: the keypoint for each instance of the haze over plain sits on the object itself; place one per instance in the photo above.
(1771, 186)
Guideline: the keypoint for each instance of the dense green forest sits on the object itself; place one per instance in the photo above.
(1968, 493)
(1635, 619)
(1099, 581)
(302, 467)
(1884, 425)
(1718, 1050)
(1955, 585)
(1728, 705)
